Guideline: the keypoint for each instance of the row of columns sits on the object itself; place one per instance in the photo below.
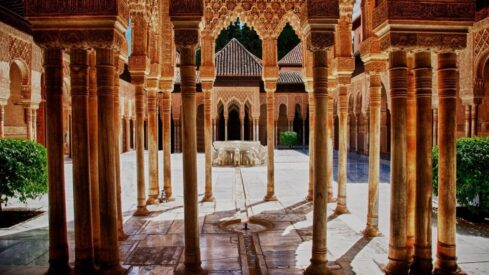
(30, 119)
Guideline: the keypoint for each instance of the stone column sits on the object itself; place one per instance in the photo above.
(411, 159)
(341, 207)
(127, 134)
(375, 94)
(241, 132)
(166, 117)
(109, 250)
(225, 128)
(312, 116)
(58, 240)
(28, 117)
(474, 115)
(319, 259)
(214, 130)
(138, 81)
(398, 262)
(93, 153)
(154, 189)
(186, 41)
(81, 160)
(424, 175)
(270, 196)
(329, 164)
(446, 256)
(117, 153)
(435, 126)
(468, 120)
(208, 196)
(34, 123)
(2, 121)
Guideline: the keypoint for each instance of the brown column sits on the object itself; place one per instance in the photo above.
(375, 91)
(58, 241)
(141, 190)
(166, 116)
(270, 196)
(319, 259)
(329, 164)
(208, 196)
(411, 160)
(117, 153)
(241, 133)
(154, 189)
(435, 126)
(109, 250)
(127, 134)
(446, 259)
(93, 153)
(312, 115)
(81, 160)
(34, 124)
(468, 120)
(474, 117)
(341, 207)
(192, 262)
(398, 263)
(225, 128)
(28, 117)
(2, 121)
(424, 175)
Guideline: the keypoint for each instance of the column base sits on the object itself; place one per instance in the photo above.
(85, 267)
(331, 199)
(208, 199)
(141, 211)
(456, 272)
(371, 232)
(320, 268)
(421, 266)
(309, 198)
(167, 199)
(153, 199)
(188, 269)
(270, 197)
(396, 267)
(122, 236)
(113, 270)
(341, 209)
(59, 268)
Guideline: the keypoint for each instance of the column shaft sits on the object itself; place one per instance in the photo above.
(341, 207)
(34, 124)
(312, 116)
(81, 159)
(375, 90)
(127, 134)
(93, 153)
(2, 121)
(28, 117)
(141, 188)
(397, 241)
(166, 110)
(474, 117)
(109, 250)
(446, 259)
(329, 164)
(468, 120)
(225, 129)
(208, 196)
(58, 240)
(319, 259)
(270, 196)
(411, 160)
(154, 189)
(424, 174)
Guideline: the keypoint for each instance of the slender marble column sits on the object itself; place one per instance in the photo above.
(127, 134)
(312, 115)
(34, 124)
(58, 240)
(28, 116)
(93, 153)
(225, 129)
(109, 250)
(154, 189)
(398, 262)
(446, 256)
(474, 115)
(81, 160)
(270, 196)
(117, 153)
(435, 126)
(468, 120)
(424, 174)
(329, 164)
(208, 196)
(166, 116)
(341, 207)
(375, 91)
(189, 141)
(241, 133)
(140, 110)
(319, 259)
(2, 121)
(411, 159)
(214, 130)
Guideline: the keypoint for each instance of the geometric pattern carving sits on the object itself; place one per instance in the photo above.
(481, 41)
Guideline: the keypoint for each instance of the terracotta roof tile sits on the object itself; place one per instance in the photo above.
(235, 60)
(293, 58)
(290, 78)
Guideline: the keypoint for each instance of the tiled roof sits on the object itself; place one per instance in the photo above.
(15, 6)
(293, 58)
(290, 78)
(235, 60)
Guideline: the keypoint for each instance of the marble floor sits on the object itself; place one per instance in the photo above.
(155, 244)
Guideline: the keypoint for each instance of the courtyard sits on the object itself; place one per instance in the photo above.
(156, 242)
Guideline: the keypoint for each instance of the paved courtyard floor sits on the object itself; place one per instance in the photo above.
(155, 244)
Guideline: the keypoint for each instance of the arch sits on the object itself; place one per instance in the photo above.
(481, 83)
(233, 101)
(23, 68)
(14, 120)
(294, 21)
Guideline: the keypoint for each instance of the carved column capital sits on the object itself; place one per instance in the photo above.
(187, 38)
(320, 40)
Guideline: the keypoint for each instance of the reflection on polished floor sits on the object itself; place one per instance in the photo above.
(156, 242)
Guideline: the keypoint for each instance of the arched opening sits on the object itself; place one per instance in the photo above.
(200, 129)
(282, 122)
(297, 124)
(15, 121)
(358, 124)
(481, 116)
(220, 124)
(248, 131)
(234, 124)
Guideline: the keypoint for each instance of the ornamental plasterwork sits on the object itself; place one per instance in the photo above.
(267, 17)
(240, 94)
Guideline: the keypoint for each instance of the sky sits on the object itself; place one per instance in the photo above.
(356, 9)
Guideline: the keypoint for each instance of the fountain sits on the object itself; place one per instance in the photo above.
(239, 153)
